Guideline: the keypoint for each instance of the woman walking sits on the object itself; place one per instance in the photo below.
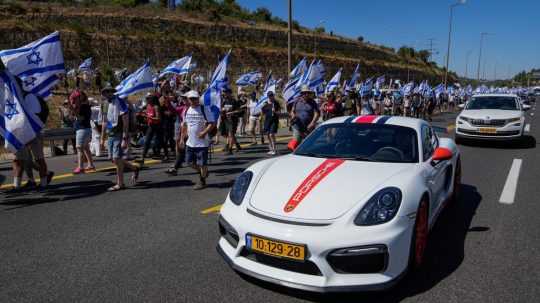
(271, 112)
(83, 131)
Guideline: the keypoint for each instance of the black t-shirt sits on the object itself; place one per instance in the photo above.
(229, 105)
(83, 117)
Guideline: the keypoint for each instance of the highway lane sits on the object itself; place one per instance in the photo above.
(156, 242)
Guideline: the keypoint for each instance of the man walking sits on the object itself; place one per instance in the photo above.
(117, 126)
(199, 122)
(304, 115)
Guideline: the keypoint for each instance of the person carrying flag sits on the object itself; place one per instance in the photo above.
(116, 122)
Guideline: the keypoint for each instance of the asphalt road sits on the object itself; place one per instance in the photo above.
(156, 242)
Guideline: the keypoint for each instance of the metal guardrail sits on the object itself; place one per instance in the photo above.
(57, 134)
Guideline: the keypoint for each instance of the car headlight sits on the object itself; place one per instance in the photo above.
(381, 208)
(240, 187)
(508, 121)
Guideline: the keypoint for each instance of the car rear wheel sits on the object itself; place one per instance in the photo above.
(420, 236)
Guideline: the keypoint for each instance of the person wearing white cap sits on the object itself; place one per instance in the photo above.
(304, 114)
(199, 122)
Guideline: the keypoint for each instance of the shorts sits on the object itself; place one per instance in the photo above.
(115, 148)
(83, 137)
(34, 148)
(197, 155)
(253, 123)
(271, 125)
(228, 126)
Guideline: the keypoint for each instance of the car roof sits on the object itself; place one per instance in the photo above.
(413, 123)
(495, 95)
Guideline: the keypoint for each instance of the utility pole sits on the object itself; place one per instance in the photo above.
(289, 40)
(460, 2)
(431, 50)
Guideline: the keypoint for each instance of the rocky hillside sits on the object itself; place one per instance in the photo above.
(118, 37)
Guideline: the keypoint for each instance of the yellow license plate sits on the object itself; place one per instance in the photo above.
(487, 130)
(276, 248)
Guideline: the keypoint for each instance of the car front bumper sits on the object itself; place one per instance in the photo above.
(510, 131)
(394, 236)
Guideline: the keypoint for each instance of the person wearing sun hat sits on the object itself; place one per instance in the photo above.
(304, 115)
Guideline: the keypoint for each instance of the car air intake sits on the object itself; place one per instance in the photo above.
(228, 232)
(359, 260)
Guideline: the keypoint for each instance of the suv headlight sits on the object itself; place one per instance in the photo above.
(381, 208)
(240, 187)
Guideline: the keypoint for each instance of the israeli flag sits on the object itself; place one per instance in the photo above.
(291, 90)
(219, 81)
(269, 86)
(407, 89)
(439, 89)
(334, 82)
(299, 69)
(37, 64)
(180, 67)
(366, 87)
(314, 76)
(86, 65)
(380, 80)
(139, 81)
(18, 121)
(250, 78)
(352, 83)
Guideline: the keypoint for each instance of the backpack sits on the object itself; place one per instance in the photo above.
(213, 131)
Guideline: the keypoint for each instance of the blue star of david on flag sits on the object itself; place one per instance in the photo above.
(11, 110)
(34, 58)
(30, 81)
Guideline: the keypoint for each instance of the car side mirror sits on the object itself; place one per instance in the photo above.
(292, 145)
(462, 106)
(442, 154)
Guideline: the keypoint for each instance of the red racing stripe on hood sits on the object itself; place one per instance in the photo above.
(311, 181)
(365, 119)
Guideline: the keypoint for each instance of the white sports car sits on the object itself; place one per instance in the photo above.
(349, 209)
(493, 117)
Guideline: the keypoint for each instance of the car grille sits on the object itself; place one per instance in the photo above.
(495, 122)
(307, 267)
(497, 134)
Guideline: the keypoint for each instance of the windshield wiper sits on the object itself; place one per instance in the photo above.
(310, 155)
(358, 158)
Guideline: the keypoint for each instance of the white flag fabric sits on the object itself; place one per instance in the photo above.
(18, 121)
(219, 81)
(86, 65)
(334, 82)
(351, 85)
(292, 90)
(314, 76)
(140, 80)
(37, 64)
(180, 67)
(270, 86)
(250, 78)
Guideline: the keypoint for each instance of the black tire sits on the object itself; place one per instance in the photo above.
(415, 262)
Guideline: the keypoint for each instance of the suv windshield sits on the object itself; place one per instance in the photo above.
(362, 142)
(503, 103)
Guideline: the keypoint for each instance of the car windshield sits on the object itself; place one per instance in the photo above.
(362, 142)
(503, 103)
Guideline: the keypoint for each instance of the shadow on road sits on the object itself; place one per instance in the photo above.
(444, 255)
(525, 142)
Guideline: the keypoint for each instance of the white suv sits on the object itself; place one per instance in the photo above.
(491, 116)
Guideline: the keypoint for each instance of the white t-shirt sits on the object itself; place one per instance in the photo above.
(253, 110)
(194, 119)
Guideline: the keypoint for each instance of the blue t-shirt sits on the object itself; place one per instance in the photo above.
(304, 111)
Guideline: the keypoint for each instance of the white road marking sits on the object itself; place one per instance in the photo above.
(527, 128)
(509, 191)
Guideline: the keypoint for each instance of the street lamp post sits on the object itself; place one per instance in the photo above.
(460, 2)
(480, 55)
(467, 64)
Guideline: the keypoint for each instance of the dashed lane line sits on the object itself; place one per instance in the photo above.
(509, 190)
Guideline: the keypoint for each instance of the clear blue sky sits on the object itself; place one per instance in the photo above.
(514, 45)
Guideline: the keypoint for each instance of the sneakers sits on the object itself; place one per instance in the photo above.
(78, 170)
(172, 171)
(201, 184)
(90, 169)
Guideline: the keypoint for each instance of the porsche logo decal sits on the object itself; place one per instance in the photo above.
(310, 182)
